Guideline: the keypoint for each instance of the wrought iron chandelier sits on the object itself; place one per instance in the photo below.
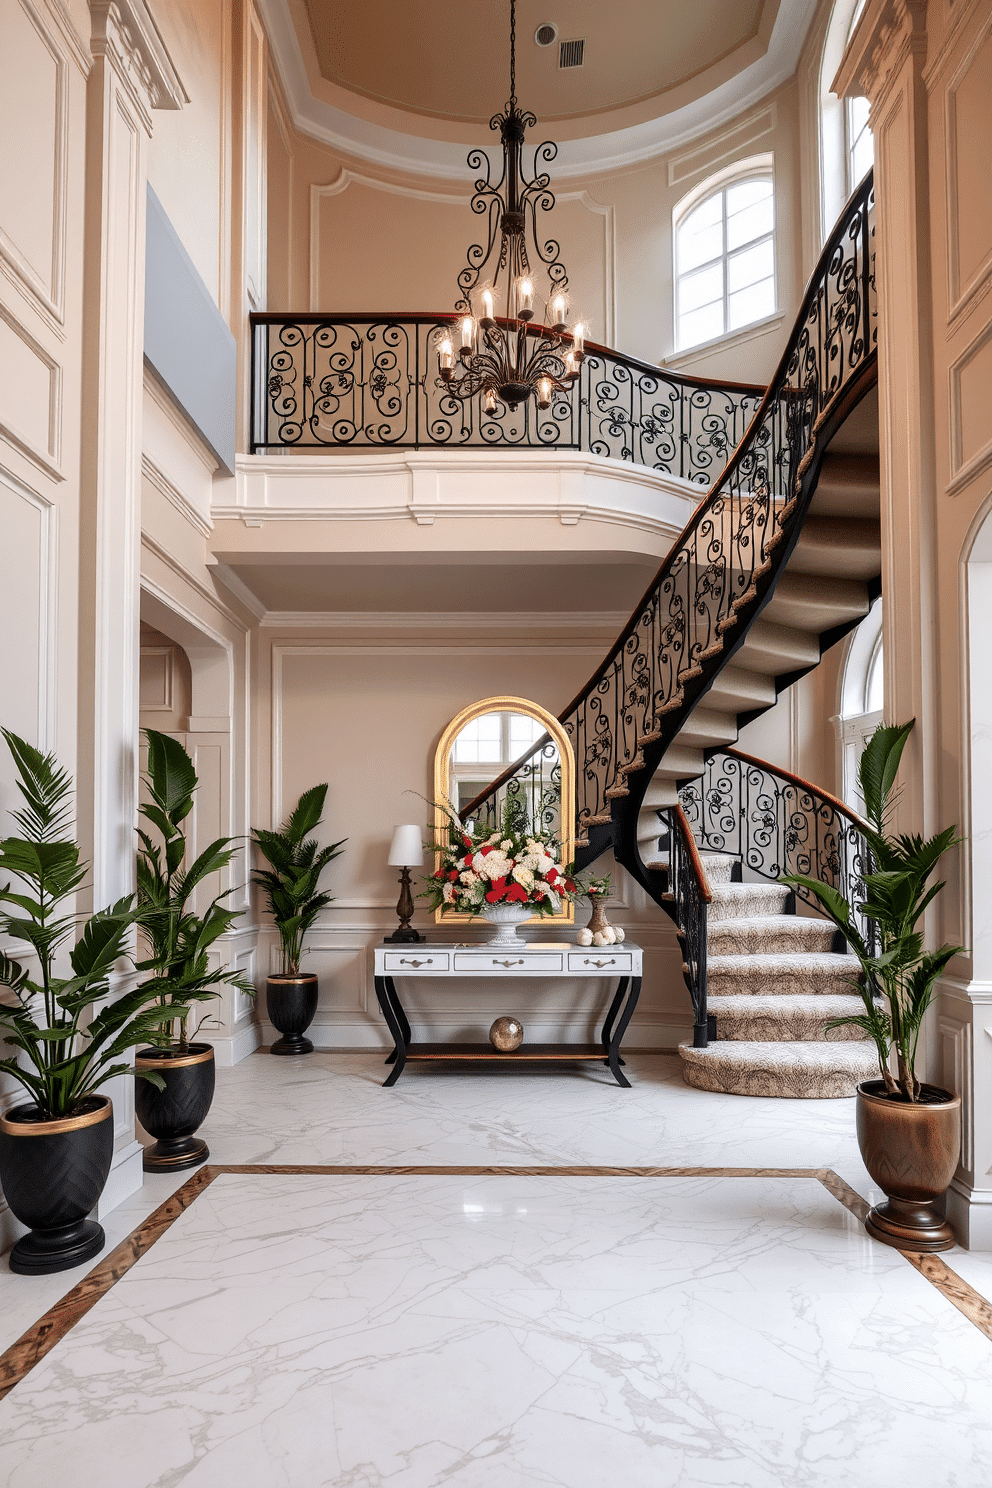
(499, 357)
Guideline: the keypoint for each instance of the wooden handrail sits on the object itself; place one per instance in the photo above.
(703, 883)
(806, 785)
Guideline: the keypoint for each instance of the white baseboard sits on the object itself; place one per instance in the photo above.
(126, 1177)
(231, 1051)
(970, 1213)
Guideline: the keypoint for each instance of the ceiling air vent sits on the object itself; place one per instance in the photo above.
(546, 35)
(571, 53)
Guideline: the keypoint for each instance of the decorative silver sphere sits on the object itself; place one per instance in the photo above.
(506, 1035)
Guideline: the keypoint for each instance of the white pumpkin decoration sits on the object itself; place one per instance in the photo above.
(609, 935)
(599, 939)
(584, 937)
(619, 934)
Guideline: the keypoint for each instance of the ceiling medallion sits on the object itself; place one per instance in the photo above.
(506, 356)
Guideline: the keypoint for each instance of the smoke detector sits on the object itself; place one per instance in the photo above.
(571, 53)
(546, 35)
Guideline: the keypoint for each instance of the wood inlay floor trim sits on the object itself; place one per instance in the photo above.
(18, 1360)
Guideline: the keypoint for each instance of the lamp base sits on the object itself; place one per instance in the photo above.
(405, 935)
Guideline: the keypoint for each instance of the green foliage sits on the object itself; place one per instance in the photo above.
(296, 861)
(897, 973)
(179, 939)
(66, 1059)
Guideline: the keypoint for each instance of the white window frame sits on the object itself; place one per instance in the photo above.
(835, 139)
(756, 167)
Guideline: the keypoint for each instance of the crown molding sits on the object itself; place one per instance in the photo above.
(538, 622)
(394, 150)
(125, 33)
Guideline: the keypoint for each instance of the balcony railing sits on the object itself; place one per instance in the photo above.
(370, 382)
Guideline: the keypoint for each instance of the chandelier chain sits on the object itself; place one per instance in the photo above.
(513, 53)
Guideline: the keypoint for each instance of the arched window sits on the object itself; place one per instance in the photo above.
(847, 148)
(862, 700)
(725, 254)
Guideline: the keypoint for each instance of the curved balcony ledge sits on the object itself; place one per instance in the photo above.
(466, 496)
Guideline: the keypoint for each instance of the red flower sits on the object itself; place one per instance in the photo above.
(467, 841)
(570, 885)
(485, 851)
(551, 875)
(515, 893)
(468, 860)
(453, 873)
(438, 874)
(498, 891)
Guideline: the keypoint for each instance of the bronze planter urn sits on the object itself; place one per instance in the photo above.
(911, 1151)
(52, 1173)
(172, 1115)
(291, 1002)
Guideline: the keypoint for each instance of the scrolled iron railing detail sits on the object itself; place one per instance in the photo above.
(687, 894)
(734, 546)
(339, 382)
(778, 825)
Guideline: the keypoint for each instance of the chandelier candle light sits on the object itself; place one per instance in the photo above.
(501, 358)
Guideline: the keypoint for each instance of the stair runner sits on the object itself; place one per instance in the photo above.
(774, 982)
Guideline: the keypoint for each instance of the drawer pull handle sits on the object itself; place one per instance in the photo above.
(600, 964)
(518, 962)
(428, 962)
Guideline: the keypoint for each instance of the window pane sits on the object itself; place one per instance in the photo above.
(862, 156)
(875, 691)
(701, 288)
(524, 732)
(701, 325)
(858, 110)
(747, 193)
(699, 245)
(751, 304)
(750, 265)
(479, 741)
(750, 223)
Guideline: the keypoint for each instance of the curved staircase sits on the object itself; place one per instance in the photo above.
(780, 560)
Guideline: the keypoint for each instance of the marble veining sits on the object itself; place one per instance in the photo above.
(502, 1329)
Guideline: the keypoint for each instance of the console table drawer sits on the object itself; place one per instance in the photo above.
(495, 962)
(408, 961)
(596, 959)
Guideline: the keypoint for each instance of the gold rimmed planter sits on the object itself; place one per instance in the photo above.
(52, 1174)
(291, 1002)
(174, 1114)
(911, 1151)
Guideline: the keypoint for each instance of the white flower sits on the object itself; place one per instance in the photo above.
(469, 878)
(448, 893)
(506, 845)
(544, 864)
(524, 877)
(494, 865)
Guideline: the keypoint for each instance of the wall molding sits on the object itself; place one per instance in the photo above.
(47, 459)
(962, 471)
(726, 146)
(175, 496)
(610, 621)
(960, 298)
(48, 562)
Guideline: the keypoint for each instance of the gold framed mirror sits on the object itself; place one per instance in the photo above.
(479, 744)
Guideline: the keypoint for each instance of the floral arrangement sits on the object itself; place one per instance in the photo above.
(511, 865)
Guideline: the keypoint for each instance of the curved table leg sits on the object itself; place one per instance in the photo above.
(386, 1004)
(617, 1033)
(611, 1016)
(399, 1012)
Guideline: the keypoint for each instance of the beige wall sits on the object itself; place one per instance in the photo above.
(344, 236)
(365, 715)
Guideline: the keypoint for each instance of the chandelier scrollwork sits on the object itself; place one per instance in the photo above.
(505, 357)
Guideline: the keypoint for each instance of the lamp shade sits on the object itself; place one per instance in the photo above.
(406, 849)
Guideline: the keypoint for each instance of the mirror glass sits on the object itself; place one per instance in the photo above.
(481, 744)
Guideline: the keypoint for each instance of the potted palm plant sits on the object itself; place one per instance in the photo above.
(908, 1131)
(56, 1149)
(296, 862)
(180, 944)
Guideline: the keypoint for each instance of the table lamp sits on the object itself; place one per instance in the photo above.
(405, 852)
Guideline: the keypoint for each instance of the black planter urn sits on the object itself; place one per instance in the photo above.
(291, 1002)
(172, 1115)
(52, 1173)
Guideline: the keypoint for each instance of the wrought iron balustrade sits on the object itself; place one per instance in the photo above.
(686, 896)
(361, 382)
(778, 825)
(737, 542)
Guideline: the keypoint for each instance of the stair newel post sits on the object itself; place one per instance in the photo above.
(701, 1032)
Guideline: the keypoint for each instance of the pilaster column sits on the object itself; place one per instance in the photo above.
(132, 75)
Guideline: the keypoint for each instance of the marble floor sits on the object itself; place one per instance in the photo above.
(420, 1329)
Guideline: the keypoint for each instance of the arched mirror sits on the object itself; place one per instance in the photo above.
(481, 745)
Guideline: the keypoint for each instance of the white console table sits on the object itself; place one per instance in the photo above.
(439, 961)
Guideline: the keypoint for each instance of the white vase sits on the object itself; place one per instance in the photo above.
(506, 918)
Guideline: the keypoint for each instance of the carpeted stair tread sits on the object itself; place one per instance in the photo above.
(787, 1019)
(762, 934)
(739, 901)
(791, 1069)
(805, 974)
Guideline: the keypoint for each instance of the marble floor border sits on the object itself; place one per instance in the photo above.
(42, 1336)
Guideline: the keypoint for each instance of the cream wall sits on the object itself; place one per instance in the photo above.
(364, 712)
(344, 236)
